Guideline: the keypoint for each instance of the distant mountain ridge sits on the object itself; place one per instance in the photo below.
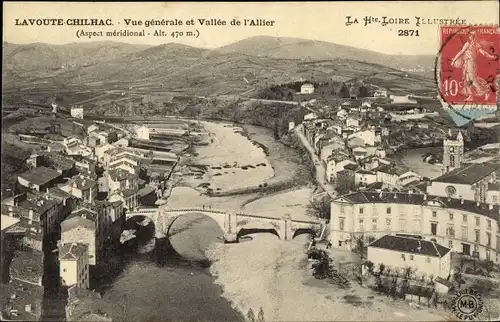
(45, 56)
(298, 48)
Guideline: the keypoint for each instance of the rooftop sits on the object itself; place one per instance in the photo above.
(72, 251)
(83, 213)
(16, 296)
(8, 221)
(120, 175)
(410, 245)
(83, 302)
(84, 183)
(40, 175)
(363, 197)
(392, 168)
(469, 174)
(27, 265)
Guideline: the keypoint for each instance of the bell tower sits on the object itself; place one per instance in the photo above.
(453, 151)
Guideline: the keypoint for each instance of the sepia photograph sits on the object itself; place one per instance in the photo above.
(250, 161)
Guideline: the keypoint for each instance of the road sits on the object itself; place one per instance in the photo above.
(320, 168)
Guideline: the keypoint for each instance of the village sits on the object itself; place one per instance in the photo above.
(66, 213)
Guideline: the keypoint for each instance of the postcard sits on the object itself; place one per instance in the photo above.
(251, 161)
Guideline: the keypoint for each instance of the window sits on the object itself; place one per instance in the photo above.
(477, 236)
(434, 229)
(64, 270)
(464, 233)
(495, 199)
(476, 248)
(388, 223)
(361, 224)
(477, 221)
(450, 231)
(488, 239)
(489, 223)
(451, 216)
(464, 218)
(361, 210)
(428, 259)
(434, 213)
(411, 257)
(450, 243)
(374, 224)
(341, 223)
(452, 160)
(402, 224)
(342, 209)
(403, 257)
(388, 210)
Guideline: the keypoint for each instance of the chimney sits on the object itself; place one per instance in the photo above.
(425, 196)
(30, 215)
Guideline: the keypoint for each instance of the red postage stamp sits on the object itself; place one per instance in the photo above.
(469, 66)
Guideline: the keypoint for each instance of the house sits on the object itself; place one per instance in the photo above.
(119, 179)
(142, 133)
(65, 166)
(86, 305)
(38, 179)
(364, 177)
(380, 93)
(469, 182)
(493, 193)
(74, 265)
(368, 137)
(353, 120)
(307, 89)
(422, 255)
(38, 217)
(342, 114)
(92, 128)
(129, 197)
(82, 187)
(464, 226)
(84, 226)
(395, 175)
(310, 116)
(77, 112)
(359, 152)
(335, 162)
(100, 151)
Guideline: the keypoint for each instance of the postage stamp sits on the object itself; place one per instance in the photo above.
(468, 69)
(467, 304)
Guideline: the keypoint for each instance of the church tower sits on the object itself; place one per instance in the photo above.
(453, 151)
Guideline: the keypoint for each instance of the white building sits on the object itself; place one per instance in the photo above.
(469, 182)
(402, 252)
(307, 89)
(464, 226)
(310, 116)
(380, 93)
(74, 264)
(77, 112)
(142, 133)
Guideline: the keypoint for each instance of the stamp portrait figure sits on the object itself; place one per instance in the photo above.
(466, 59)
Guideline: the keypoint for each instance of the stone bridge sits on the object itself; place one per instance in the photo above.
(233, 224)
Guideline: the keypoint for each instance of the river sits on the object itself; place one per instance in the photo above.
(179, 290)
(414, 159)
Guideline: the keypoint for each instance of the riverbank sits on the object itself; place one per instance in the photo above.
(278, 279)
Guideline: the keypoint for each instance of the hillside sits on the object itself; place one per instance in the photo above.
(192, 70)
(45, 56)
(296, 48)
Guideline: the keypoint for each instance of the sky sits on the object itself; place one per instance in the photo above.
(325, 21)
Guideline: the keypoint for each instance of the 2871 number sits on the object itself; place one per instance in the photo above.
(406, 33)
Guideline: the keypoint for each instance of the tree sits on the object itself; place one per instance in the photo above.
(320, 208)
(344, 91)
(260, 316)
(251, 315)
(360, 246)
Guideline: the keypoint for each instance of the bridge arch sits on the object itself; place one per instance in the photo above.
(302, 231)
